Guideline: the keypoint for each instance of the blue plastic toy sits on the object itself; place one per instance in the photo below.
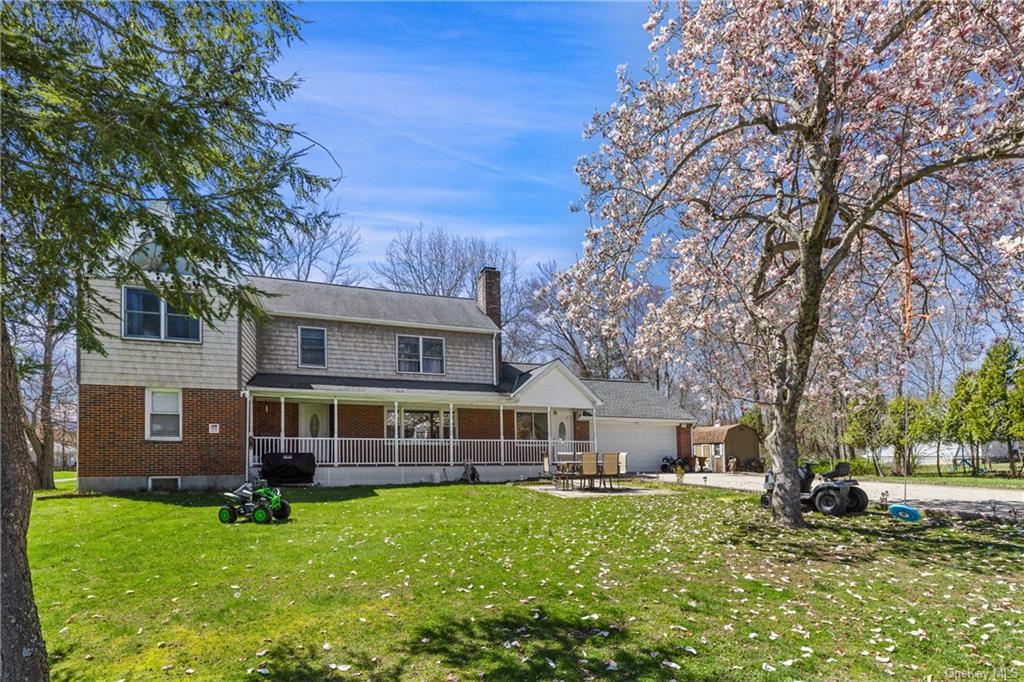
(904, 512)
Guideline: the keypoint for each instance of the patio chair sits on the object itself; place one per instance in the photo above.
(588, 467)
(564, 470)
(609, 467)
(622, 463)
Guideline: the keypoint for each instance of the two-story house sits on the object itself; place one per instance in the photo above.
(382, 386)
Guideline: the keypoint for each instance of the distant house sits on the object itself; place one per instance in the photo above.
(714, 446)
(381, 386)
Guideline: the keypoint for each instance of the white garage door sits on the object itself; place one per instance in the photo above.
(646, 443)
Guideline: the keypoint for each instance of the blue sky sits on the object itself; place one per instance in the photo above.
(464, 116)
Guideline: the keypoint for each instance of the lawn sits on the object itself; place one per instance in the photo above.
(502, 582)
(998, 476)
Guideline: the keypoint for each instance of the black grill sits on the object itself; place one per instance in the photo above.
(288, 468)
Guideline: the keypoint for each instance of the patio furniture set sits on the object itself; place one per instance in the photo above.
(589, 469)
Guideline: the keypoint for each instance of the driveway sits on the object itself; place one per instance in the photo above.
(947, 498)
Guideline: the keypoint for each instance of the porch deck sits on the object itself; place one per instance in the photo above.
(349, 452)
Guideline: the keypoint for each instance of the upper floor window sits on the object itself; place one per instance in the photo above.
(312, 347)
(147, 316)
(421, 354)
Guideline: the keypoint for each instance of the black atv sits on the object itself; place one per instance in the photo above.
(832, 497)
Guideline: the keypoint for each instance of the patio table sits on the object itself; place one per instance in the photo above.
(572, 466)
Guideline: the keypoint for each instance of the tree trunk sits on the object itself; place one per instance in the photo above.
(44, 462)
(786, 509)
(878, 466)
(22, 649)
(782, 440)
(1009, 456)
(938, 457)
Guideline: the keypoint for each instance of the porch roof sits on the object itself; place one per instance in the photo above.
(307, 382)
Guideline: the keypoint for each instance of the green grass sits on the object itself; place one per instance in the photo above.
(496, 581)
(998, 476)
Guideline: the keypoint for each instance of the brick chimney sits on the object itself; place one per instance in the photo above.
(488, 298)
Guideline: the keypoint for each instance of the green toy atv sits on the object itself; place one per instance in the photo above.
(254, 500)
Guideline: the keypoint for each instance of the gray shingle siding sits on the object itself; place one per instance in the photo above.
(133, 362)
(367, 350)
(248, 350)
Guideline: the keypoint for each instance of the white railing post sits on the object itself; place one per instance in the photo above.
(501, 430)
(398, 421)
(282, 423)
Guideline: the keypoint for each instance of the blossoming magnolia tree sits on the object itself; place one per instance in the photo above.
(770, 167)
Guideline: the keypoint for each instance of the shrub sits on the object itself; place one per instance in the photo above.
(861, 466)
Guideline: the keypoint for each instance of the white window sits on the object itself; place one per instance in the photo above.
(531, 425)
(163, 414)
(312, 347)
(420, 354)
(420, 424)
(147, 316)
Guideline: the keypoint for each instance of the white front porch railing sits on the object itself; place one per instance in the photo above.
(414, 452)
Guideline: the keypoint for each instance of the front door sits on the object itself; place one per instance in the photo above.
(314, 420)
(563, 425)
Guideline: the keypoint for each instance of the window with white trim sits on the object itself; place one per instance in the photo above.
(420, 354)
(147, 316)
(312, 347)
(420, 424)
(531, 425)
(163, 414)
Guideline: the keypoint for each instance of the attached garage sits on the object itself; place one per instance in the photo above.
(635, 418)
(646, 442)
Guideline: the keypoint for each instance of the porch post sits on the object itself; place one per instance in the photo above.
(249, 445)
(550, 453)
(451, 433)
(282, 423)
(501, 430)
(337, 443)
(398, 425)
(594, 422)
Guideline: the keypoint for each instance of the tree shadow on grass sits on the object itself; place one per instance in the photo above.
(511, 647)
(936, 543)
(214, 499)
(289, 662)
(61, 649)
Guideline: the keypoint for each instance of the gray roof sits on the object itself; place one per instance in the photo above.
(634, 400)
(307, 382)
(515, 374)
(291, 297)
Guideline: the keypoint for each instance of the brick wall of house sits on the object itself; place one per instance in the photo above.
(112, 434)
(683, 447)
(360, 421)
(484, 423)
(266, 418)
(581, 429)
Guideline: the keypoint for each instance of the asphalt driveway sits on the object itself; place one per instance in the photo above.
(941, 497)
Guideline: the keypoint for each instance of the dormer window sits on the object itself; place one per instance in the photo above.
(420, 354)
(147, 316)
(312, 347)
